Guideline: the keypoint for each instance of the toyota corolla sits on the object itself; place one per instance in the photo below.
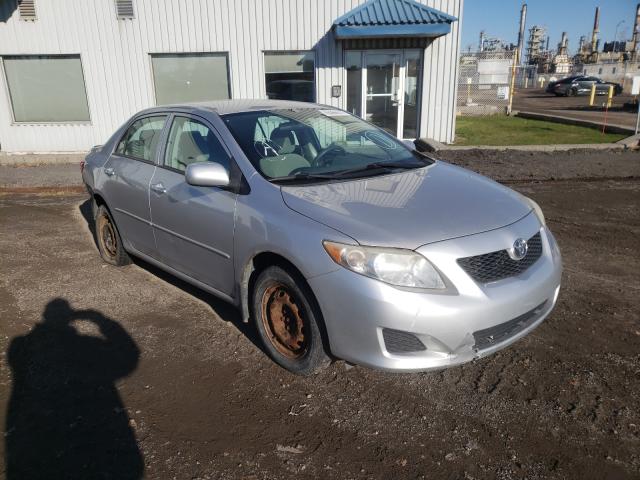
(333, 237)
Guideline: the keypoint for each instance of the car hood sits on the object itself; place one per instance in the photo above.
(409, 209)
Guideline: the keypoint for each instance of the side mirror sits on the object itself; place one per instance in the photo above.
(207, 174)
(410, 143)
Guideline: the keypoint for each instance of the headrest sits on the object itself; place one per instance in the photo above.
(283, 136)
(190, 146)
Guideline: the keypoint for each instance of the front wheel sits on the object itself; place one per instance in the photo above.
(288, 321)
(108, 239)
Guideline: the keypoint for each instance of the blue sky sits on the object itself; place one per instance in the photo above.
(500, 18)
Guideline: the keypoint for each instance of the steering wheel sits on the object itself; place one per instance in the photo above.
(321, 161)
(266, 148)
(298, 170)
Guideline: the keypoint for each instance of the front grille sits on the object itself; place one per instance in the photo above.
(398, 341)
(493, 335)
(494, 266)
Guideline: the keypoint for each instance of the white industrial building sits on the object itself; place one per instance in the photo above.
(72, 71)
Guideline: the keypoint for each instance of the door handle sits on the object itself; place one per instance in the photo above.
(109, 172)
(158, 188)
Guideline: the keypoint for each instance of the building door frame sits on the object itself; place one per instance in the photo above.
(405, 55)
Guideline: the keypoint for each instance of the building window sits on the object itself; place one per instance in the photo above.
(46, 88)
(613, 70)
(599, 71)
(290, 76)
(190, 77)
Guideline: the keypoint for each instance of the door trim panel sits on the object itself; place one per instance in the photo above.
(119, 210)
(190, 240)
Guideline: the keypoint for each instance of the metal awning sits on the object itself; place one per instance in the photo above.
(392, 19)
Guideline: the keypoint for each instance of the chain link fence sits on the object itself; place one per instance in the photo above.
(484, 82)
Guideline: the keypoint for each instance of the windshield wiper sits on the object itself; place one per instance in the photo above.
(302, 176)
(383, 166)
(380, 168)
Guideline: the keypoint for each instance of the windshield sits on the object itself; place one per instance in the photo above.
(317, 144)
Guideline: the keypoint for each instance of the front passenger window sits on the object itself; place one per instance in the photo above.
(191, 141)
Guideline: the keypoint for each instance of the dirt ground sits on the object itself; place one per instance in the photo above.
(124, 372)
(539, 101)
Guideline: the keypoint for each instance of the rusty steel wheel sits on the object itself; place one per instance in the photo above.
(107, 236)
(108, 239)
(283, 321)
(288, 321)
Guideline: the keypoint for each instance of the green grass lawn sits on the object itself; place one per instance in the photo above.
(503, 130)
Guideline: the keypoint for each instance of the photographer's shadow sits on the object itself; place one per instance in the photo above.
(65, 418)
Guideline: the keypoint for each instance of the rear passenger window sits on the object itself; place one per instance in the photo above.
(191, 141)
(141, 139)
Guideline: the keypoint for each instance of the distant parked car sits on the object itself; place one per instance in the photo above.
(334, 237)
(581, 85)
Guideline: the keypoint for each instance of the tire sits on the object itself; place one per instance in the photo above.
(109, 240)
(288, 321)
(573, 92)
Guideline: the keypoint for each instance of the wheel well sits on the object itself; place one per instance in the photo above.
(98, 199)
(269, 259)
(251, 271)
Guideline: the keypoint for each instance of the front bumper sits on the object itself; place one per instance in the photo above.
(357, 309)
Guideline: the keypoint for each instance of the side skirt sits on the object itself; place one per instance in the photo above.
(182, 276)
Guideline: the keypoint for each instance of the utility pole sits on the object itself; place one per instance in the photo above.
(523, 18)
(517, 57)
(615, 37)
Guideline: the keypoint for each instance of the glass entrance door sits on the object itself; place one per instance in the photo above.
(383, 87)
(382, 90)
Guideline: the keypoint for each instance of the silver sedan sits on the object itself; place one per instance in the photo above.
(334, 238)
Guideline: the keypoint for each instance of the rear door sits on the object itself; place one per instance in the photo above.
(587, 83)
(601, 86)
(127, 175)
(193, 225)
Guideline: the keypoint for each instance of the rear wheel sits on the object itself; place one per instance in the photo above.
(573, 92)
(108, 239)
(288, 321)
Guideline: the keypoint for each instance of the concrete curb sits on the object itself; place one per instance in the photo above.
(428, 145)
(610, 128)
(542, 148)
(631, 142)
(34, 159)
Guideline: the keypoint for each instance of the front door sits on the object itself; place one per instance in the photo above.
(383, 88)
(193, 226)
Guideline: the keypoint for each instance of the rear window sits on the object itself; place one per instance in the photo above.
(141, 139)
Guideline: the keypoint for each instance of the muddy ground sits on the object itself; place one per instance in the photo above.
(140, 374)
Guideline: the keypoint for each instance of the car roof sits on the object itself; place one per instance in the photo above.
(225, 107)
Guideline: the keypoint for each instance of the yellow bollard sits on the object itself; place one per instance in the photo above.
(592, 99)
(610, 99)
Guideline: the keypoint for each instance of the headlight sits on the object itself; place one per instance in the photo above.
(403, 268)
(536, 209)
